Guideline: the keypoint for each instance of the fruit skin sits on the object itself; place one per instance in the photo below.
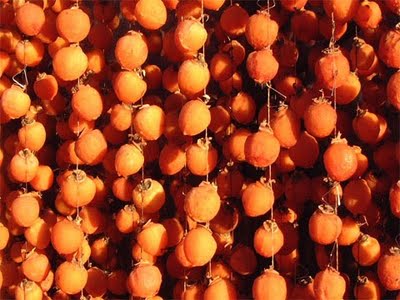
(340, 161)
(144, 281)
(389, 269)
(367, 250)
(324, 226)
(317, 126)
(202, 203)
(325, 281)
(30, 18)
(269, 285)
(394, 198)
(70, 277)
(261, 149)
(262, 66)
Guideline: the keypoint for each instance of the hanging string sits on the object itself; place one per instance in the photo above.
(79, 82)
(206, 98)
(337, 203)
(23, 86)
(270, 172)
(337, 198)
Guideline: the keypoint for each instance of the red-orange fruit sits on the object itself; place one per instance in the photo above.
(286, 126)
(236, 144)
(148, 196)
(243, 108)
(190, 35)
(69, 63)
(27, 290)
(128, 160)
(66, 237)
(23, 166)
(30, 52)
(129, 86)
(87, 103)
(269, 285)
(342, 11)
(144, 281)
(389, 269)
(213, 4)
(7, 14)
(222, 67)
(116, 282)
(193, 77)
(25, 209)
(151, 14)
(305, 152)
(394, 6)
(78, 189)
(349, 90)
(394, 198)
(73, 24)
(96, 285)
(201, 158)
(368, 15)
(71, 277)
(131, 50)
(199, 246)
(350, 232)
(220, 119)
(389, 47)
(304, 289)
(14, 102)
(366, 251)
(393, 90)
(172, 159)
(325, 280)
(304, 24)
(45, 86)
(340, 160)
(288, 85)
(297, 188)
(332, 69)
(193, 126)
(317, 126)
(202, 203)
(357, 196)
(36, 266)
(368, 287)
(32, 135)
(324, 226)
(149, 122)
(262, 66)
(153, 239)
(366, 126)
(363, 57)
(175, 231)
(261, 149)
(268, 239)
(234, 20)
(223, 288)
(257, 198)
(91, 147)
(261, 22)
(30, 18)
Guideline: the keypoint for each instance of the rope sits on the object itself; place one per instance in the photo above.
(270, 171)
(205, 93)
